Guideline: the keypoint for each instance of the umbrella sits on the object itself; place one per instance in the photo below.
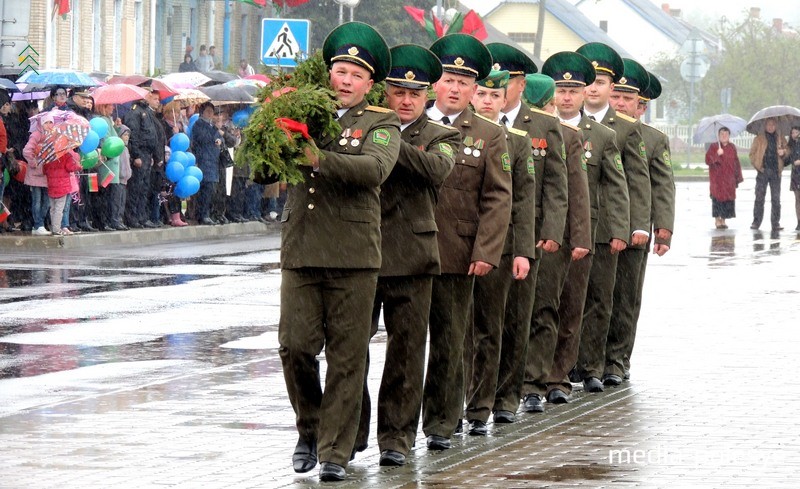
(7, 84)
(219, 76)
(190, 96)
(58, 78)
(186, 79)
(259, 76)
(66, 135)
(165, 90)
(785, 115)
(118, 93)
(220, 94)
(24, 94)
(707, 130)
(243, 82)
(129, 79)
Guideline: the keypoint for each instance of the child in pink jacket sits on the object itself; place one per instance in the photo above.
(59, 185)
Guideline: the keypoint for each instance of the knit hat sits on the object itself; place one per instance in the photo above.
(123, 129)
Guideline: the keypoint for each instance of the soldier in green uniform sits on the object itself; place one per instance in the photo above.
(554, 266)
(606, 178)
(482, 348)
(331, 253)
(472, 216)
(628, 293)
(602, 278)
(547, 145)
(409, 249)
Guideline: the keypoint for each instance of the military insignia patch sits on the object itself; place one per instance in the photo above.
(642, 149)
(446, 149)
(563, 152)
(531, 166)
(583, 161)
(506, 162)
(618, 161)
(382, 137)
(667, 159)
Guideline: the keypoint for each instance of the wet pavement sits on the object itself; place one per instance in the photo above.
(150, 360)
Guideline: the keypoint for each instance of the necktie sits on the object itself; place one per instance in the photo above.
(446, 120)
(504, 120)
(592, 118)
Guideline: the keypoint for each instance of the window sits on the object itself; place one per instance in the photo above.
(75, 45)
(523, 37)
(137, 46)
(604, 25)
(97, 33)
(117, 47)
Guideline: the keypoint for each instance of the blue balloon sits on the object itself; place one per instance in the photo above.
(187, 186)
(174, 171)
(240, 118)
(99, 126)
(179, 156)
(193, 171)
(193, 119)
(179, 142)
(191, 160)
(91, 142)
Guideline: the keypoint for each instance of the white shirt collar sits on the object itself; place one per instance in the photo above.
(511, 115)
(435, 114)
(575, 121)
(404, 126)
(341, 112)
(599, 115)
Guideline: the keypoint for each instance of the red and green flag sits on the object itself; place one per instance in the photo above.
(108, 179)
(257, 3)
(4, 213)
(469, 23)
(92, 178)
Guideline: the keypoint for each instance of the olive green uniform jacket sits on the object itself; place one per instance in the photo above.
(662, 182)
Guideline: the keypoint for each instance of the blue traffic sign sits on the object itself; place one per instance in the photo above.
(283, 41)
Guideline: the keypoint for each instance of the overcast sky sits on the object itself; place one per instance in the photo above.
(703, 11)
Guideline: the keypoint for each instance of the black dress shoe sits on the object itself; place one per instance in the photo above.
(755, 226)
(331, 472)
(391, 458)
(557, 396)
(777, 228)
(85, 226)
(207, 221)
(592, 384)
(134, 225)
(612, 380)
(436, 442)
(504, 417)
(222, 220)
(533, 404)
(149, 224)
(477, 428)
(305, 456)
(574, 376)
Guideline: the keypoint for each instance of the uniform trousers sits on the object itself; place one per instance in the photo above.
(514, 346)
(443, 394)
(570, 315)
(138, 193)
(627, 305)
(406, 302)
(543, 337)
(597, 312)
(484, 338)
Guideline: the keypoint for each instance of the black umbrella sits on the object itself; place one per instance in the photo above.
(221, 94)
(219, 76)
(785, 116)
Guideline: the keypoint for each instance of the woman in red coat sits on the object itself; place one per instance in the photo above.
(724, 175)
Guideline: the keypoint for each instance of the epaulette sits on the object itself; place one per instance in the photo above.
(437, 123)
(375, 108)
(539, 111)
(518, 132)
(655, 129)
(625, 117)
(570, 126)
(488, 120)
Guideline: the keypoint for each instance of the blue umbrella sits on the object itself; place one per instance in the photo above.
(7, 84)
(58, 78)
(707, 130)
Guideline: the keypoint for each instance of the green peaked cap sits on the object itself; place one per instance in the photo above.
(605, 60)
(634, 77)
(511, 59)
(496, 79)
(569, 69)
(413, 67)
(463, 54)
(539, 89)
(360, 44)
(653, 90)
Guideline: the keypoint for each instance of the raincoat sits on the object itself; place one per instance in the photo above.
(724, 172)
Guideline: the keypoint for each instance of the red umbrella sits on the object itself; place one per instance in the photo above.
(129, 79)
(260, 77)
(119, 93)
(66, 135)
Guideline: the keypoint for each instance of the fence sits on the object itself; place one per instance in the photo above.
(680, 136)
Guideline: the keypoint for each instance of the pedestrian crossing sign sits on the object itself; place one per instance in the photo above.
(284, 41)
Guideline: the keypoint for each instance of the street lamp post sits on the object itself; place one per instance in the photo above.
(346, 3)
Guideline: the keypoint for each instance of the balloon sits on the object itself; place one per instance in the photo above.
(99, 126)
(23, 169)
(191, 160)
(193, 119)
(112, 147)
(89, 160)
(91, 142)
(194, 172)
(188, 185)
(179, 142)
(179, 156)
(174, 171)
(240, 118)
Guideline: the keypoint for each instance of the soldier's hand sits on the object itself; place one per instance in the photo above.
(617, 245)
(578, 253)
(660, 249)
(479, 268)
(639, 239)
(311, 158)
(521, 267)
(548, 245)
(663, 234)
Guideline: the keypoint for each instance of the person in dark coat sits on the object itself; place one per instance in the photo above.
(724, 175)
(206, 144)
(794, 161)
(188, 64)
(17, 127)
